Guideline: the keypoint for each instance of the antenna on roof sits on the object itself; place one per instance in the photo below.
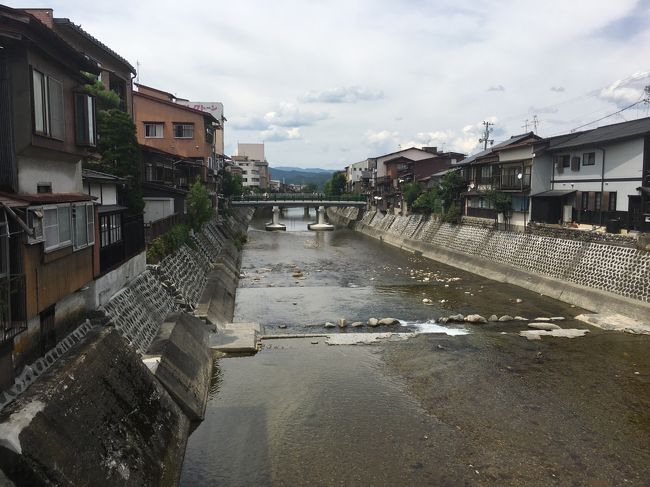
(535, 123)
(137, 72)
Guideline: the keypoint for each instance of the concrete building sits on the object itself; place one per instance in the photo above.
(359, 177)
(595, 176)
(255, 169)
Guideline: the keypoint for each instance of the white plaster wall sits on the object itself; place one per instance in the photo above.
(622, 160)
(516, 154)
(106, 194)
(64, 176)
(101, 290)
(157, 208)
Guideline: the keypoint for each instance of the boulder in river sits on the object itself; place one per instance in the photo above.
(443, 319)
(543, 326)
(373, 322)
(475, 319)
(389, 321)
(542, 319)
(557, 318)
(493, 318)
(426, 300)
(343, 323)
(506, 318)
(330, 325)
(458, 318)
(520, 318)
(357, 324)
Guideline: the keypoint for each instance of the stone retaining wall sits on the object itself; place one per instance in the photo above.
(614, 270)
(98, 415)
(582, 235)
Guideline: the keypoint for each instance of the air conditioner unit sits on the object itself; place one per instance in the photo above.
(35, 224)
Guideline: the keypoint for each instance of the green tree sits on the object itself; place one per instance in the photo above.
(410, 192)
(428, 202)
(501, 202)
(117, 143)
(336, 185)
(230, 184)
(199, 208)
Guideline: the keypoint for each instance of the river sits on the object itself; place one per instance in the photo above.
(454, 405)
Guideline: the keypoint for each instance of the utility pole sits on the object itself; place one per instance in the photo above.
(486, 135)
(535, 123)
(525, 125)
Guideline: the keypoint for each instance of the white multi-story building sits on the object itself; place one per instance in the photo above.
(255, 170)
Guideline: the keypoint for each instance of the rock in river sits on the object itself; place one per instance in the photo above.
(506, 318)
(389, 321)
(456, 318)
(343, 323)
(357, 324)
(475, 319)
(543, 326)
(493, 318)
(373, 322)
(330, 325)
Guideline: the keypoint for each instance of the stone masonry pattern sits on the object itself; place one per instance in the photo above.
(612, 268)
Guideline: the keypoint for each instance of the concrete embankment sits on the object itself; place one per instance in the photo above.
(116, 408)
(593, 276)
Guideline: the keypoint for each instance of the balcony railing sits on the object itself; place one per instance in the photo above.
(512, 181)
(13, 306)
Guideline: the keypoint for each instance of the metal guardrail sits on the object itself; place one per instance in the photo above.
(284, 197)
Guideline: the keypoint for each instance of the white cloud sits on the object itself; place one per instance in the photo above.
(625, 91)
(349, 94)
(496, 88)
(285, 115)
(279, 134)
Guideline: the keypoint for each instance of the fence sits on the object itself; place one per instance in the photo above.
(159, 227)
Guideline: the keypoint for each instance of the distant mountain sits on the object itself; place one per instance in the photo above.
(306, 169)
(294, 175)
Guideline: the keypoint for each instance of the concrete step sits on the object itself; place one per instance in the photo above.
(236, 338)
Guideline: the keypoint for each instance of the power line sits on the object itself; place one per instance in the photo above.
(646, 99)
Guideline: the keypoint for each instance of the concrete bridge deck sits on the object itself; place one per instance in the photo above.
(298, 201)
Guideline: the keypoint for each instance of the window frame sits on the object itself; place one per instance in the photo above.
(155, 125)
(89, 223)
(42, 122)
(612, 201)
(60, 243)
(587, 159)
(183, 126)
(85, 122)
(111, 232)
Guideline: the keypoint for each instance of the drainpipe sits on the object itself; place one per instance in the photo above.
(602, 185)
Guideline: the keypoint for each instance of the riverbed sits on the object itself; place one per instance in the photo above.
(468, 405)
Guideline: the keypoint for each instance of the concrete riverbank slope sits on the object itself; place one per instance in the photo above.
(116, 408)
(599, 277)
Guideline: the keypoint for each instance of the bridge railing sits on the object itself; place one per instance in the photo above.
(283, 197)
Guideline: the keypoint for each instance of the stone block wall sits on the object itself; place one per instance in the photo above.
(612, 268)
(582, 235)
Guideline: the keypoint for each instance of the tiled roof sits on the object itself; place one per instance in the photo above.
(608, 133)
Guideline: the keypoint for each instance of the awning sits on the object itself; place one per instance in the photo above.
(554, 193)
(111, 208)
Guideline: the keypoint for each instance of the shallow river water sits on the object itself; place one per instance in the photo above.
(474, 405)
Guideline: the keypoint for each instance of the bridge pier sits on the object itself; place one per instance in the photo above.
(275, 224)
(320, 223)
(306, 214)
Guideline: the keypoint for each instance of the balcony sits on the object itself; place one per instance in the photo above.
(13, 307)
(511, 181)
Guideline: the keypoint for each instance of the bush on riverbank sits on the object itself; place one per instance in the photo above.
(168, 243)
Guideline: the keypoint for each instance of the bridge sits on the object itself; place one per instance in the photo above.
(277, 201)
(298, 200)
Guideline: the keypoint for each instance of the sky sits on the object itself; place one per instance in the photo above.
(326, 83)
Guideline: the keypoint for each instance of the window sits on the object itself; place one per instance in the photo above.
(183, 130)
(589, 159)
(35, 223)
(585, 200)
(520, 203)
(44, 188)
(47, 95)
(598, 200)
(83, 222)
(563, 160)
(612, 201)
(110, 229)
(57, 227)
(84, 106)
(153, 130)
